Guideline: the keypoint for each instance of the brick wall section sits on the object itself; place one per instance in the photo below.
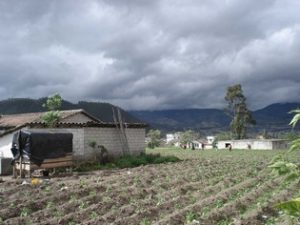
(110, 139)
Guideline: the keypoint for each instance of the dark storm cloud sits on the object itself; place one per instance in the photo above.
(151, 54)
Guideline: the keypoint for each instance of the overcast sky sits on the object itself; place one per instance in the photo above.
(151, 54)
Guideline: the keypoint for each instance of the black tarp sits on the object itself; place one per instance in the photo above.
(37, 146)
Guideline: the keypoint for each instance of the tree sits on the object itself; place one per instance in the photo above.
(224, 135)
(238, 111)
(154, 136)
(52, 117)
(188, 136)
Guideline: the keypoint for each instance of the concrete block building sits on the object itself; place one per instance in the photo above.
(85, 129)
(258, 144)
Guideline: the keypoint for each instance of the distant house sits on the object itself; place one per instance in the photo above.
(172, 138)
(202, 143)
(259, 144)
(85, 129)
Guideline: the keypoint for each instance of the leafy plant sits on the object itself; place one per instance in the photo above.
(12, 205)
(291, 207)
(128, 161)
(190, 217)
(282, 167)
(145, 221)
(82, 183)
(25, 212)
(224, 222)
(82, 205)
(154, 136)
(94, 215)
(219, 203)
(93, 193)
(50, 205)
(52, 117)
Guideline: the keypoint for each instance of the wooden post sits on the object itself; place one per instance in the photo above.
(21, 167)
(14, 170)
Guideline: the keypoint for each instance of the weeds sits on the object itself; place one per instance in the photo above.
(93, 215)
(145, 221)
(128, 161)
(190, 217)
(25, 212)
(219, 203)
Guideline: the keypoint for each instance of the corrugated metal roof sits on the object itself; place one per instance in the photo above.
(15, 120)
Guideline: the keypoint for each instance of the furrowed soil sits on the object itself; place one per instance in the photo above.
(206, 187)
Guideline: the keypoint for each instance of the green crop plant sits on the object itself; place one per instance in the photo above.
(219, 203)
(93, 193)
(28, 222)
(12, 205)
(224, 222)
(82, 183)
(109, 189)
(178, 206)
(93, 215)
(73, 198)
(82, 205)
(190, 217)
(205, 210)
(50, 206)
(47, 189)
(145, 221)
(25, 212)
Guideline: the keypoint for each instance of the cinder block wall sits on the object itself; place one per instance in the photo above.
(136, 140)
(110, 139)
(78, 139)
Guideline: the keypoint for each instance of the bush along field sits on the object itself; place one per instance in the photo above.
(206, 187)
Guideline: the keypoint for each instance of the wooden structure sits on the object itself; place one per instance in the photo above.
(22, 167)
(121, 131)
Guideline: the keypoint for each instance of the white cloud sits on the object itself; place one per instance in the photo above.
(150, 54)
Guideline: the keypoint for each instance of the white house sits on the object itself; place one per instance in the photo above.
(85, 129)
(259, 144)
(172, 138)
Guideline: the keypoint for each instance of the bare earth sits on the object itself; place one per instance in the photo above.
(222, 190)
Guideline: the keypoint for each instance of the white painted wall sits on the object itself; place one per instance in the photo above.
(5, 146)
(255, 144)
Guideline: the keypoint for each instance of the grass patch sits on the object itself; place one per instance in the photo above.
(128, 161)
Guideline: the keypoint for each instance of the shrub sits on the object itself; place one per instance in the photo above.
(128, 161)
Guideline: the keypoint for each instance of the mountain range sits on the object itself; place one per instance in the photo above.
(102, 111)
(273, 118)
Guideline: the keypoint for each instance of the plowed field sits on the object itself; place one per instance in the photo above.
(205, 188)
